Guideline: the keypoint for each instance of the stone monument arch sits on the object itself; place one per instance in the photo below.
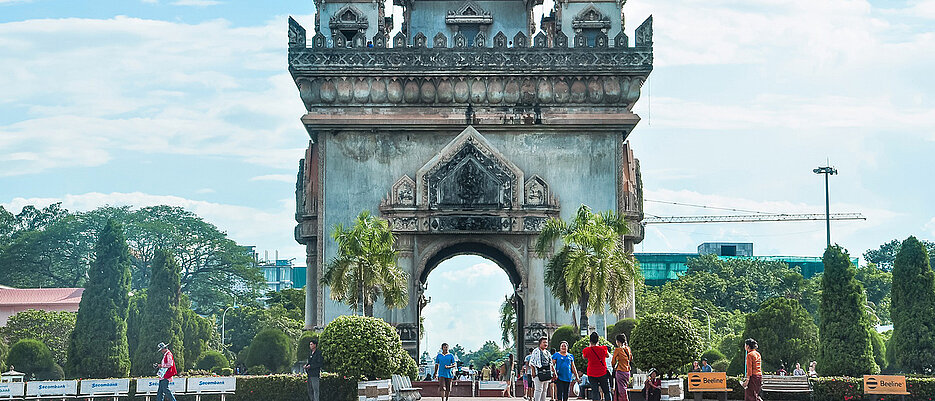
(466, 148)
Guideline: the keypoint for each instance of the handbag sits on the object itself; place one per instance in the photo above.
(543, 373)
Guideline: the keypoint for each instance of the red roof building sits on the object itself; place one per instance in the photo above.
(15, 300)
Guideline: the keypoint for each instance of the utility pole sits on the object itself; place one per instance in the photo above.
(827, 171)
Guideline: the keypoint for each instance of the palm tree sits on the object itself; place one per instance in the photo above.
(507, 321)
(365, 267)
(592, 268)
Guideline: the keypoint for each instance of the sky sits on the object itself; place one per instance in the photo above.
(189, 103)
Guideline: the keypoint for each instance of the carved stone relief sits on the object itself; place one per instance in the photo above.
(590, 18)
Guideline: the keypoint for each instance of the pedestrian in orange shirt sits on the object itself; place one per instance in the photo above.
(753, 382)
(621, 364)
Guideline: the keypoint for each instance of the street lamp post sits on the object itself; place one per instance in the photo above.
(827, 171)
(709, 321)
(223, 317)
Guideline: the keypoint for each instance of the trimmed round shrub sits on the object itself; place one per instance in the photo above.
(31, 357)
(720, 366)
(271, 348)
(407, 365)
(53, 373)
(580, 363)
(301, 349)
(665, 342)
(564, 333)
(212, 361)
(258, 370)
(355, 346)
(713, 355)
(623, 326)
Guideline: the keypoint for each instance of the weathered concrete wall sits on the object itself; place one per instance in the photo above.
(361, 166)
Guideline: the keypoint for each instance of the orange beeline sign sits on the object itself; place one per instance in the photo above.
(879, 384)
(698, 381)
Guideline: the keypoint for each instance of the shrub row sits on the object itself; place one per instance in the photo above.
(836, 389)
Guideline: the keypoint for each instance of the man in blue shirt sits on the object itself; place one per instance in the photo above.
(444, 362)
(705, 367)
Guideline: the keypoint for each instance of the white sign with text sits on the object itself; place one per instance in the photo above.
(12, 390)
(65, 387)
(151, 384)
(105, 386)
(223, 384)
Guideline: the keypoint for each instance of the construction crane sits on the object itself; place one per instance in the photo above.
(749, 218)
(755, 216)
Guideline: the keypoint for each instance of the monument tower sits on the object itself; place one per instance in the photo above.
(467, 129)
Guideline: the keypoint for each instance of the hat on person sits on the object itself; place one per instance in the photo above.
(162, 346)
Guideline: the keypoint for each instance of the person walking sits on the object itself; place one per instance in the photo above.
(565, 370)
(597, 371)
(753, 380)
(509, 374)
(313, 369)
(621, 364)
(444, 363)
(527, 378)
(166, 370)
(542, 370)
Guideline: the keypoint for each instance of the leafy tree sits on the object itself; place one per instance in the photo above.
(302, 350)
(913, 309)
(4, 349)
(213, 361)
(358, 346)
(564, 333)
(161, 320)
(271, 348)
(487, 353)
(365, 267)
(591, 269)
(885, 255)
(98, 347)
(459, 352)
(46, 248)
(739, 283)
(199, 335)
(507, 321)
(785, 332)
(664, 342)
(879, 348)
(877, 284)
(34, 358)
(623, 326)
(713, 355)
(51, 328)
(291, 302)
(844, 342)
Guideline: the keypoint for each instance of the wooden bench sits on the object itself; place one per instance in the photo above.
(786, 384)
(12, 391)
(403, 389)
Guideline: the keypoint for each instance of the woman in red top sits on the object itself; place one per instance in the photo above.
(753, 383)
(598, 376)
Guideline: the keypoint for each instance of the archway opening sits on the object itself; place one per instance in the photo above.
(467, 285)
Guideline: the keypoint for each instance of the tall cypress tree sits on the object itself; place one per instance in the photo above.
(161, 320)
(844, 340)
(913, 309)
(98, 347)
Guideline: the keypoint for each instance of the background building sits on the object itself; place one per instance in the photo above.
(15, 300)
(661, 267)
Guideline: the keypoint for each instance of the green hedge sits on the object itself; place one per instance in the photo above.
(835, 389)
(293, 388)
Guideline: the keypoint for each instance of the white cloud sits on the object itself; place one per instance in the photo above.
(472, 274)
(275, 177)
(145, 86)
(267, 229)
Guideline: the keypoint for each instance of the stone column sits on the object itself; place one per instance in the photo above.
(312, 286)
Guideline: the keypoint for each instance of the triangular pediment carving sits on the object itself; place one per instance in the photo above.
(469, 174)
(590, 17)
(469, 13)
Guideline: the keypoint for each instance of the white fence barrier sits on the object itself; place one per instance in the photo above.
(12, 391)
(52, 389)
